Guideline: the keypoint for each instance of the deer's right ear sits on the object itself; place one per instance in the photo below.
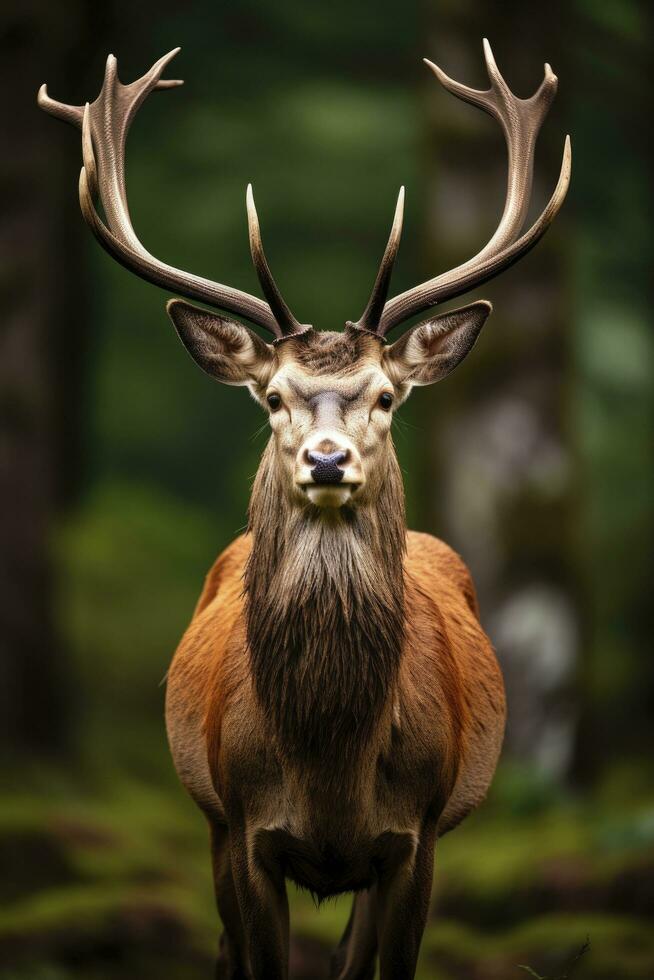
(226, 350)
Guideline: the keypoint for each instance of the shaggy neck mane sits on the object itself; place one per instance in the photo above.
(325, 612)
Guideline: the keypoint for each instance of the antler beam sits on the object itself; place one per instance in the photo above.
(105, 124)
(520, 120)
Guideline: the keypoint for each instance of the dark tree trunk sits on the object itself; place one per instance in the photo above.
(500, 457)
(613, 406)
(41, 354)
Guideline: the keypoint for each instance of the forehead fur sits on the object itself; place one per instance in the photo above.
(327, 352)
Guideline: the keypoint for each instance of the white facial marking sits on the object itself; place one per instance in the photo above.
(328, 495)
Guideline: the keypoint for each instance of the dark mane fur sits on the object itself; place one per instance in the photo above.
(325, 612)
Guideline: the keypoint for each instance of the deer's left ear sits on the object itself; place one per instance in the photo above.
(434, 348)
(226, 350)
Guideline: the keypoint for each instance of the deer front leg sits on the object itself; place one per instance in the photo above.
(232, 954)
(355, 957)
(404, 892)
(261, 893)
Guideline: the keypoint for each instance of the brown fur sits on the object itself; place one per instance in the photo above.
(323, 352)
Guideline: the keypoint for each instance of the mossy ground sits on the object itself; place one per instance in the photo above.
(101, 886)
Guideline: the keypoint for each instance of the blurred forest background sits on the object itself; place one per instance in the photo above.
(124, 470)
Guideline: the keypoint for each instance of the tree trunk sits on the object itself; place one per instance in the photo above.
(500, 456)
(41, 354)
(613, 359)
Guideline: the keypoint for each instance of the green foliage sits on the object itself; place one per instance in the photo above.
(132, 565)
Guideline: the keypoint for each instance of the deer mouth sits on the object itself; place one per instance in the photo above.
(329, 494)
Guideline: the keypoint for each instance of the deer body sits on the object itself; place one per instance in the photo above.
(446, 685)
(357, 816)
(334, 706)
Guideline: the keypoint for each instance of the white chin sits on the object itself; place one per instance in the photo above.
(328, 495)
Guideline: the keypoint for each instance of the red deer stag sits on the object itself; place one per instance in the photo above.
(335, 706)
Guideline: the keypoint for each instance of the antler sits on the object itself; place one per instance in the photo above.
(104, 126)
(371, 316)
(521, 120)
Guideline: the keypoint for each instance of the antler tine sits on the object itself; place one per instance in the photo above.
(157, 70)
(371, 316)
(289, 325)
(520, 120)
(68, 113)
(105, 124)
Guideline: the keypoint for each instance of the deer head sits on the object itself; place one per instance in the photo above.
(330, 396)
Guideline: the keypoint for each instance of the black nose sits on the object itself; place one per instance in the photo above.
(326, 468)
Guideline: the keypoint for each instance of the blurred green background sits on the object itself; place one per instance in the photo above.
(124, 470)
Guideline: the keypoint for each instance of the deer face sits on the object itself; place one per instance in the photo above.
(330, 406)
(330, 396)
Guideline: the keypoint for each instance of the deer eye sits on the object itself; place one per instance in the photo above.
(385, 400)
(274, 401)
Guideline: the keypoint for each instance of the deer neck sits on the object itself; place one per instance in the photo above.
(325, 613)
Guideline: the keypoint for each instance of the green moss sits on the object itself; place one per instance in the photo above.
(137, 868)
(621, 947)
